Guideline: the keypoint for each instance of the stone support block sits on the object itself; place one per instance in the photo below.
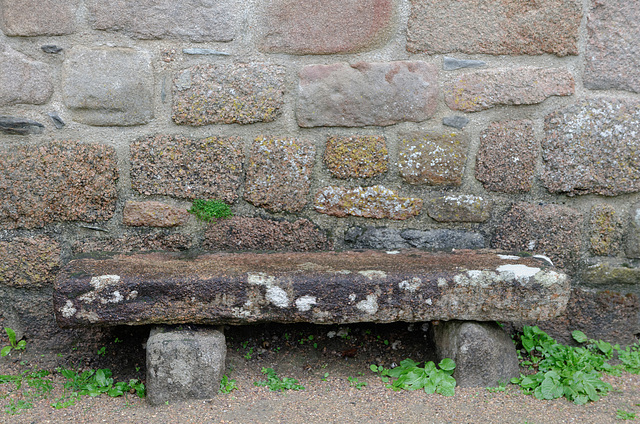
(434, 159)
(356, 156)
(153, 214)
(369, 202)
(459, 208)
(432, 240)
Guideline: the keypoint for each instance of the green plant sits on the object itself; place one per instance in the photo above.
(409, 376)
(502, 386)
(102, 351)
(325, 376)
(13, 343)
(630, 358)
(209, 210)
(572, 372)
(625, 415)
(248, 355)
(94, 383)
(353, 382)
(276, 384)
(227, 385)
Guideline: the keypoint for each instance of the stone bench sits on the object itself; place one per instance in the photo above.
(461, 289)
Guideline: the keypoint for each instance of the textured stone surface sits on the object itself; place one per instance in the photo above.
(605, 230)
(369, 202)
(551, 230)
(278, 173)
(480, 90)
(58, 181)
(28, 18)
(29, 262)
(612, 54)
(484, 354)
(458, 122)
(459, 208)
(153, 214)
(184, 364)
(319, 287)
(191, 20)
(244, 233)
(591, 147)
(436, 159)
(209, 168)
(633, 235)
(142, 241)
(366, 94)
(325, 26)
(108, 86)
(356, 156)
(391, 238)
(20, 126)
(228, 93)
(22, 80)
(510, 27)
(506, 160)
(451, 63)
(601, 315)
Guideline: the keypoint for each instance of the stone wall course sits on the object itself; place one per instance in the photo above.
(153, 214)
(28, 18)
(22, 80)
(364, 93)
(325, 26)
(356, 156)
(434, 159)
(459, 208)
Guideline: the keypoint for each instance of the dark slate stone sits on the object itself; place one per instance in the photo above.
(390, 238)
(20, 126)
(451, 63)
(51, 48)
(458, 122)
(57, 120)
(319, 288)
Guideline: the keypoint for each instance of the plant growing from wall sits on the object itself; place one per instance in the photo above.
(210, 210)
(13, 343)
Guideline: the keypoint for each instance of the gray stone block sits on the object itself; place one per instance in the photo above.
(22, 80)
(108, 86)
(484, 354)
(184, 364)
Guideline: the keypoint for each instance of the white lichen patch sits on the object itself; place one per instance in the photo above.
(92, 317)
(68, 310)
(474, 274)
(520, 272)
(509, 257)
(369, 305)
(104, 281)
(260, 279)
(305, 303)
(428, 301)
(277, 296)
(373, 274)
(442, 282)
(116, 297)
(392, 252)
(410, 285)
(132, 295)
(352, 297)
(544, 258)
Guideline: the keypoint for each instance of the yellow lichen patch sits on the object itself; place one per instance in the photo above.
(356, 156)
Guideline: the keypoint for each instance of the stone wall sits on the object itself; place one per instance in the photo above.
(327, 124)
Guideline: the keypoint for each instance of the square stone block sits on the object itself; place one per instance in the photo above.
(184, 363)
(108, 86)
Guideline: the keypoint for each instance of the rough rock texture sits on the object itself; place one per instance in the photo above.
(29, 262)
(244, 233)
(591, 147)
(27, 18)
(605, 230)
(601, 315)
(391, 238)
(436, 159)
(551, 230)
(108, 86)
(369, 202)
(506, 160)
(366, 94)
(22, 80)
(184, 364)
(510, 27)
(356, 156)
(612, 54)
(484, 354)
(190, 20)
(20, 126)
(209, 168)
(325, 26)
(319, 287)
(58, 181)
(143, 241)
(459, 208)
(480, 90)
(451, 63)
(228, 93)
(153, 214)
(458, 122)
(278, 173)
(633, 235)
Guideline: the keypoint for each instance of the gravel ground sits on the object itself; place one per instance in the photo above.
(291, 352)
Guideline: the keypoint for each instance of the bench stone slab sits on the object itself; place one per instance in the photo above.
(318, 287)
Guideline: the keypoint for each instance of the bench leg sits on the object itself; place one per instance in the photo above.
(484, 354)
(184, 363)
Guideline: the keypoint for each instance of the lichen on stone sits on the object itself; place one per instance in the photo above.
(436, 159)
(356, 156)
(605, 230)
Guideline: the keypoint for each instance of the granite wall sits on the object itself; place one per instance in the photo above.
(326, 124)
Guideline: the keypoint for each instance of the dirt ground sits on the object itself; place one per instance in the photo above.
(326, 360)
